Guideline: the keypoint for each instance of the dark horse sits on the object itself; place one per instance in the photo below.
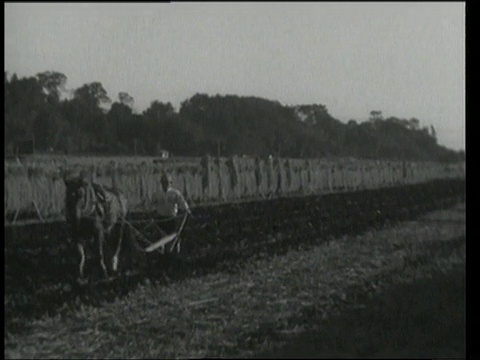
(92, 212)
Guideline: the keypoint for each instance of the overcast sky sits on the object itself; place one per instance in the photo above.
(404, 59)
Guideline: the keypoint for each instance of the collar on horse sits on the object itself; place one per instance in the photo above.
(95, 201)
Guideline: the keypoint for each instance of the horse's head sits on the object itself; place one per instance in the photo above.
(75, 197)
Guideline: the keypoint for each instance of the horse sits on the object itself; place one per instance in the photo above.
(92, 211)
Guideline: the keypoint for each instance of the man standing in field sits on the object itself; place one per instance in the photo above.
(167, 202)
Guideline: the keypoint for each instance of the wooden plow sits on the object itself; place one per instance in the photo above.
(157, 244)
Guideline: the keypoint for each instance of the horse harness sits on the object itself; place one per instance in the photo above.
(96, 201)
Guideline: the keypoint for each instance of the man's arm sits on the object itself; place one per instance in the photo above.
(182, 203)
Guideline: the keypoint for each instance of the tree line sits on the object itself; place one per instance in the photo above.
(89, 121)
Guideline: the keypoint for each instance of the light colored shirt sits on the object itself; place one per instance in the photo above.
(167, 203)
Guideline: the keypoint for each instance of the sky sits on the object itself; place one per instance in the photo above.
(404, 59)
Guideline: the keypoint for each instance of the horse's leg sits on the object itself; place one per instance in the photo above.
(101, 243)
(119, 248)
(80, 244)
(81, 250)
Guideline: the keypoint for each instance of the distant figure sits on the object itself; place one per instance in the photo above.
(167, 202)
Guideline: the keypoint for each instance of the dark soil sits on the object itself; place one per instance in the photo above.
(41, 264)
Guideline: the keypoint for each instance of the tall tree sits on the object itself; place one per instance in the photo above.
(126, 99)
(53, 84)
(24, 101)
(375, 116)
(92, 94)
(121, 124)
(158, 122)
(85, 112)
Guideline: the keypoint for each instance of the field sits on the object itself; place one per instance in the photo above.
(255, 279)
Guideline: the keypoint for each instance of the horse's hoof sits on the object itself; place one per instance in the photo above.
(115, 264)
(82, 281)
(130, 273)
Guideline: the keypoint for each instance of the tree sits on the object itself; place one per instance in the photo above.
(47, 128)
(24, 101)
(126, 99)
(201, 112)
(414, 124)
(158, 126)
(84, 111)
(159, 110)
(433, 132)
(92, 94)
(226, 125)
(53, 84)
(375, 115)
(121, 127)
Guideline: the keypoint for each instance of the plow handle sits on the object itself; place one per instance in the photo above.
(179, 230)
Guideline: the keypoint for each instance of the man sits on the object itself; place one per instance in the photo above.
(167, 202)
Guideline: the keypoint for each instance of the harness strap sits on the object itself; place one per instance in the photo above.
(88, 207)
(91, 203)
